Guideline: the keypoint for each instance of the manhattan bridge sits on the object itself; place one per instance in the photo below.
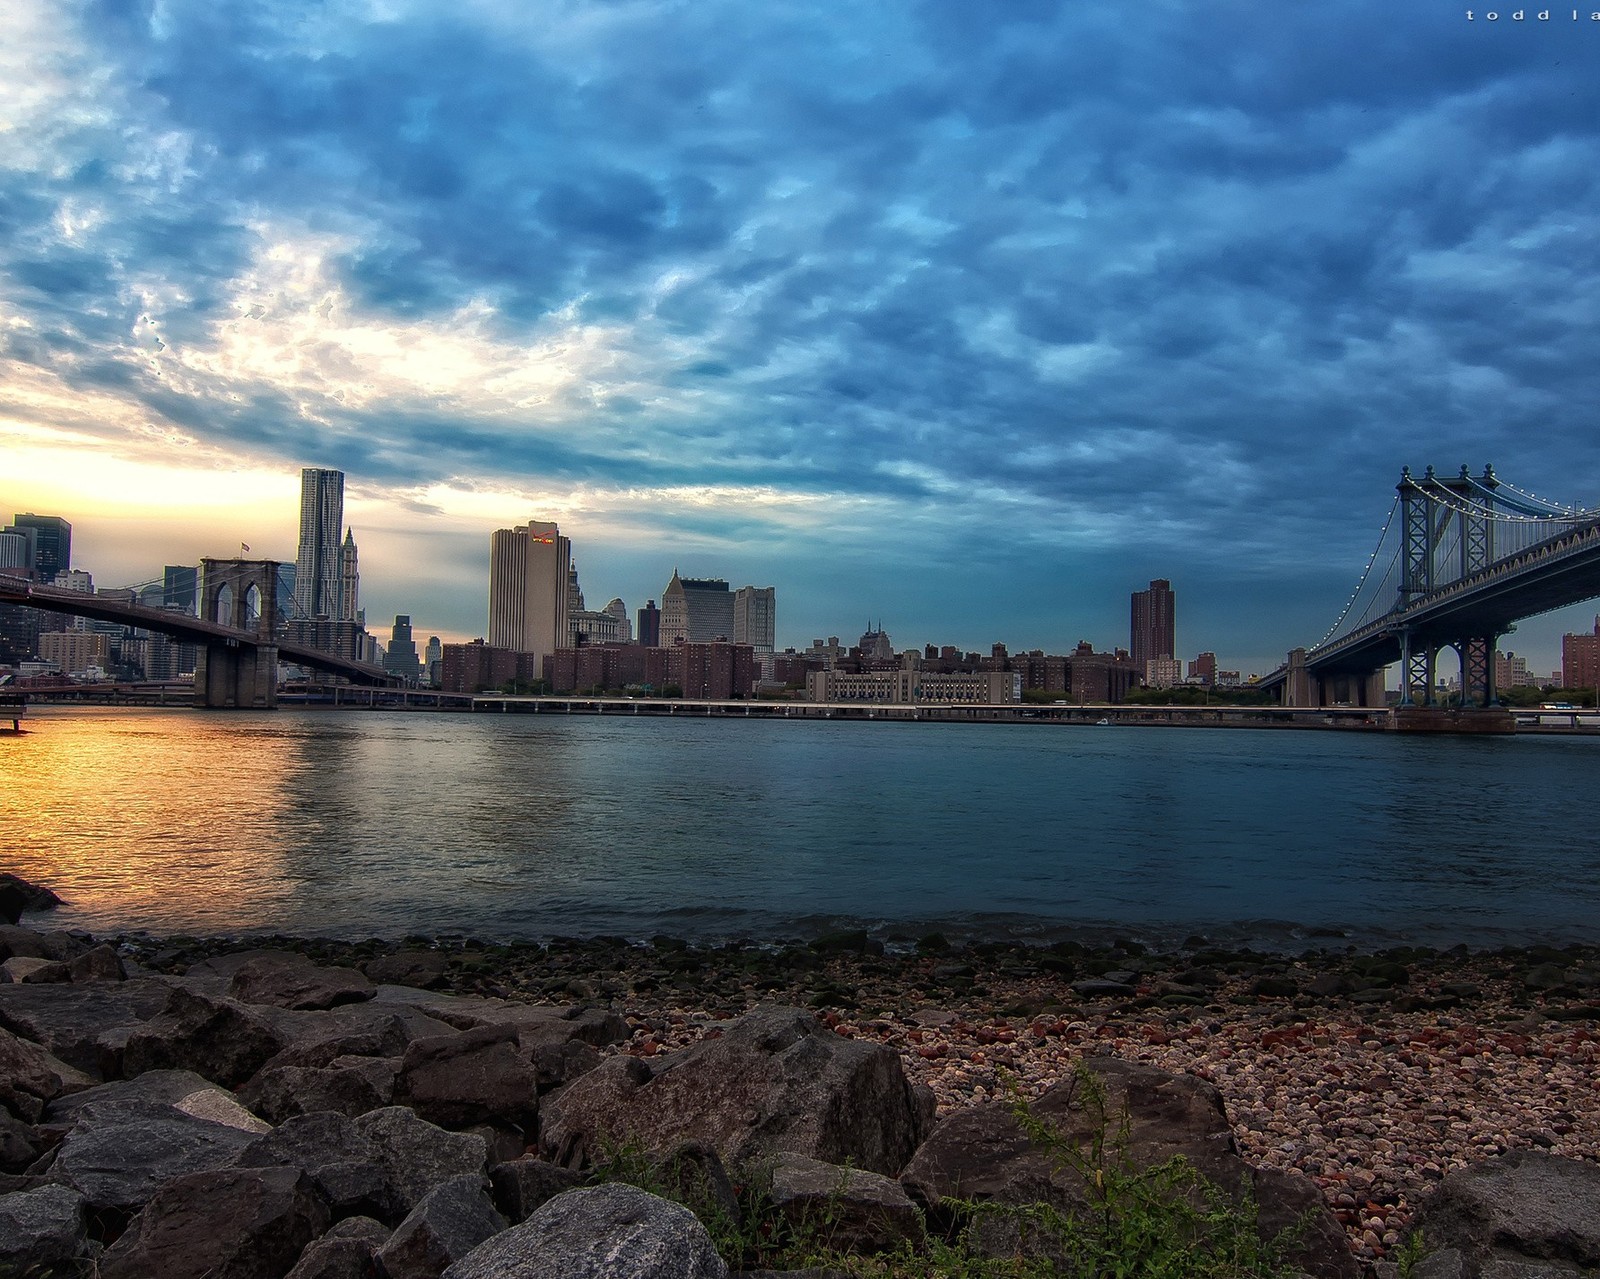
(1460, 561)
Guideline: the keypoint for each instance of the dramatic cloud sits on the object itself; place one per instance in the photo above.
(972, 317)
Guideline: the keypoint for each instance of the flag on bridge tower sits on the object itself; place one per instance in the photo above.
(243, 549)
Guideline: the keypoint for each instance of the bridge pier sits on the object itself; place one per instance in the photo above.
(234, 674)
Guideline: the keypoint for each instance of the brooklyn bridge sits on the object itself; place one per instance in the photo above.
(238, 633)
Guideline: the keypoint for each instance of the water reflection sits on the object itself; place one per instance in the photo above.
(358, 823)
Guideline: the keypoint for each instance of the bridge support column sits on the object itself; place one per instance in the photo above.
(1477, 671)
(1297, 690)
(235, 673)
(1374, 690)
(233, 676)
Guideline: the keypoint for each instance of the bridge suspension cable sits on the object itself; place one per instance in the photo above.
(1365, 573)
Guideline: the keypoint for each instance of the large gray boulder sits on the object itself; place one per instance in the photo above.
(221, 1039)
(350, 1085)
(448, 1223)
(522, 1186)
(87, 1025)
(181, 1089)
(1527, 1212)
(602, 1232)
(119, 1154)
(417, 1155)
(985, 1153)
(472, 1077)
(349, 1171)
(844, 1209)
(347, 1251)
(41, 1229)
(288, 980)
(774, 1081)
(234, 1223)
(30, 1077)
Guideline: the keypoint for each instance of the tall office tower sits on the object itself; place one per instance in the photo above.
(317, 566)
(617, 609)
(574, 591)
(650, 625)
(1154, 630)
(433, 661)
(349, 579)
(529, 570)
(180, 588)
(400, 658)
(15, 552)
(696, 609)
(755, 617)
(52, 543)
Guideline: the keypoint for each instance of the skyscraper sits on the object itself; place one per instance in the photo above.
(400, 658)
(349, 580)
(755, 617)
(698, 610)
(650, 625)
(1154, 629)
(52, 543)
(319, 562)
(529, 570)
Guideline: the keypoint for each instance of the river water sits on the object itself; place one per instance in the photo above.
(355, 824)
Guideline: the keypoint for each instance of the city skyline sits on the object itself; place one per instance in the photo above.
(976, 322)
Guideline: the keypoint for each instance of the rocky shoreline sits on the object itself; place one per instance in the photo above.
(1373, 1075)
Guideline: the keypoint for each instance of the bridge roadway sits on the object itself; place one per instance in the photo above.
(1549, 575)
(194, 630)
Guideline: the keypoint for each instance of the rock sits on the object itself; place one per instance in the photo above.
(774, 1081)
(601, 1232)
(449, 1222)
(520, 1186)
(350, 1085)
(181, 1089)
(120, 1153)
(222, 1039)
(417, 1155)
(18, 939)
(845, 1209)
(1100, 988)
(556, 1065)
(41, 1230)
(695, 1177)
(233, 1223)
(423, 969)
(86, 1026)
(287, 980)
(30, 1077)
(345, 1252)
(1447, 1263)
(100, 964)
(1523, 1207)
(476, 1076)
(19, 1144)
(349, 1171)
(983, 1153)
(352, 1032)
(39, 972)
(13, 888)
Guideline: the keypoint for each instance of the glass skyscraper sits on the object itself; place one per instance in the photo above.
(317, 566)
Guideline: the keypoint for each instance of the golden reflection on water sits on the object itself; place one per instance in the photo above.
(111, 809)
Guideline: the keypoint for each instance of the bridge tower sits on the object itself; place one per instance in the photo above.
(236, 673)
(1428, 508)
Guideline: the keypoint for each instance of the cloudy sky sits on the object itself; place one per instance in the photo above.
(970, 317)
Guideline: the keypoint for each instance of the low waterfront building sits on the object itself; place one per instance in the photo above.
(911, 685)
(478, 667)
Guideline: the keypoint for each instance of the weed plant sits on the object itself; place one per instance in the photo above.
(1163, 1222)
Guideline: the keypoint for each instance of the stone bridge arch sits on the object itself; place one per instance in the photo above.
(239, 671)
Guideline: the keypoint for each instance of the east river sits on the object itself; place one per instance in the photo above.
(355, 824)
